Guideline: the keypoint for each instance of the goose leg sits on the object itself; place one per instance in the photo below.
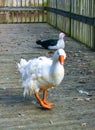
(40, 101)
(44, 98)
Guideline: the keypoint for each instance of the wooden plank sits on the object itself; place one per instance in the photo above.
(72, 110)
(63, 23)
(82, 32)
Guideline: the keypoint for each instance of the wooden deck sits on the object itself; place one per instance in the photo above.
(74, 99)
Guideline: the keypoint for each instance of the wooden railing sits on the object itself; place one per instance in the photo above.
(22, 11)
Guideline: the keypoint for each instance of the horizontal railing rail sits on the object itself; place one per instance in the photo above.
(20, 8)
(81, 18)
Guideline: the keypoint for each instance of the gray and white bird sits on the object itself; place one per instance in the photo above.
(53, 43)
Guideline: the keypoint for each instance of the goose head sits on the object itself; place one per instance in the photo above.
(59, 56)
(61, 35)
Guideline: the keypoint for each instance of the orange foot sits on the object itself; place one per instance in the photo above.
(42, 102)
(47, 103)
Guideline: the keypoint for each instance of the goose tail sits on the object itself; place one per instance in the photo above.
(38, 42)
(22, 63)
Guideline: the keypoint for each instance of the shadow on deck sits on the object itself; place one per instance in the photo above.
(74, 99)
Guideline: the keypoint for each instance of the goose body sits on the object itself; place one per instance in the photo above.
(42, 73)
(53, 43)
(46, 43)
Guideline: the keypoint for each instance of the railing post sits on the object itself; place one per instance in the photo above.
(94, 38)
(70, 17)
(56, 14)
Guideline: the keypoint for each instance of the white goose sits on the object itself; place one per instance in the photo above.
(42, 73)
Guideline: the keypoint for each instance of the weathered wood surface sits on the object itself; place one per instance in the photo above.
(22, 3)
(81, 31)
(19, 11)
(61, 22)
(72, 110)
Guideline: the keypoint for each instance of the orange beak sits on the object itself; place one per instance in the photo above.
(61, 59)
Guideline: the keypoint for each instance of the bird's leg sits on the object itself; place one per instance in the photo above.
(44, 98)
(40, 101)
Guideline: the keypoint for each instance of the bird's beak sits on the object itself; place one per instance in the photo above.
(61, 59)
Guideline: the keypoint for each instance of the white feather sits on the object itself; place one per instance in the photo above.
(41, 73)
(60, 43)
